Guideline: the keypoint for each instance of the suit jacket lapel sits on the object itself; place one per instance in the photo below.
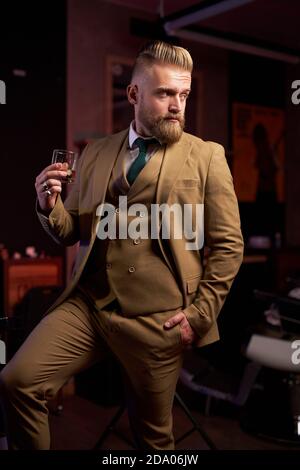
(104, 165)
(103, 168)
(174, 159)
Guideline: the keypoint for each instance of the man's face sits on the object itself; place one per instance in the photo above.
(160, 100)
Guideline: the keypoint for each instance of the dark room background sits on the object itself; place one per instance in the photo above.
(32, 123)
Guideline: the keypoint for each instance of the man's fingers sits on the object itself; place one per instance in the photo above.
(51, 171)
(188, 335)
(48, 185)
(55, 189)
(53, 166)
(175, 320)
(51, 182)
(48, 177)
(50, 174)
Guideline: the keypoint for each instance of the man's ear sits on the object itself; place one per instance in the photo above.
(132, 94)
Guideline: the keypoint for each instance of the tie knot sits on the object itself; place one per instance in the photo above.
(143, 144)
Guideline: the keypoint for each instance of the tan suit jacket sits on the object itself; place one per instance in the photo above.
(193, 171)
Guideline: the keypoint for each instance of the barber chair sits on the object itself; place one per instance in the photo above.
(216, 384)
(274, 412)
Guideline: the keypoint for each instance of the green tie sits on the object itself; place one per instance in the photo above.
(140, 161)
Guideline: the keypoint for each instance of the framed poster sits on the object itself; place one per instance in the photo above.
(258, 153)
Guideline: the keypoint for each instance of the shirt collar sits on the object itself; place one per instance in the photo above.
(133, 135)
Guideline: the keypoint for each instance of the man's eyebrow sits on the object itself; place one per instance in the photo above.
(162, 89)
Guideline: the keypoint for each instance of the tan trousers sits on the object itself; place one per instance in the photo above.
(75, 336)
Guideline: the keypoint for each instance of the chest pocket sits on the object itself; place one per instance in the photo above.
(187, 184)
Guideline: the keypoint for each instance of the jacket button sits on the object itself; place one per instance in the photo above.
(136, 241)
(108, 265)
(131, 269)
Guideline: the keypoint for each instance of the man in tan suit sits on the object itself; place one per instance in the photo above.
(145, 298)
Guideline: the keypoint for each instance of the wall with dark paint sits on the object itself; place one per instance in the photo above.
(32, 123)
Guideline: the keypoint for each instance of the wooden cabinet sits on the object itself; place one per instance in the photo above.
(18, 276)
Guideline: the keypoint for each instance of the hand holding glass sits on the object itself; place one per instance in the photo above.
(69, 157)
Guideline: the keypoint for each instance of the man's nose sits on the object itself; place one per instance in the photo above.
(175, 104)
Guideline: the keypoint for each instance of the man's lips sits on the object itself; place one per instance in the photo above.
(172, 119)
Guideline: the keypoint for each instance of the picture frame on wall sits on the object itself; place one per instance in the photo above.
(258, 168)
(258, 152)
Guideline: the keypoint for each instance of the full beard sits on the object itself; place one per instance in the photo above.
(164, 130)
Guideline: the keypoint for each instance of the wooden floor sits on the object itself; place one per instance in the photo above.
(82, 421)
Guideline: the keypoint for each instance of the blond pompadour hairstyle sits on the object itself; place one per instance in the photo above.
(164, 53)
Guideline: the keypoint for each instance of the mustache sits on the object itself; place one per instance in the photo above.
(179, 117)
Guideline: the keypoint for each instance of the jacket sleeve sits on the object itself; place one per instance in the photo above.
(62, 224)
(224, 239)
